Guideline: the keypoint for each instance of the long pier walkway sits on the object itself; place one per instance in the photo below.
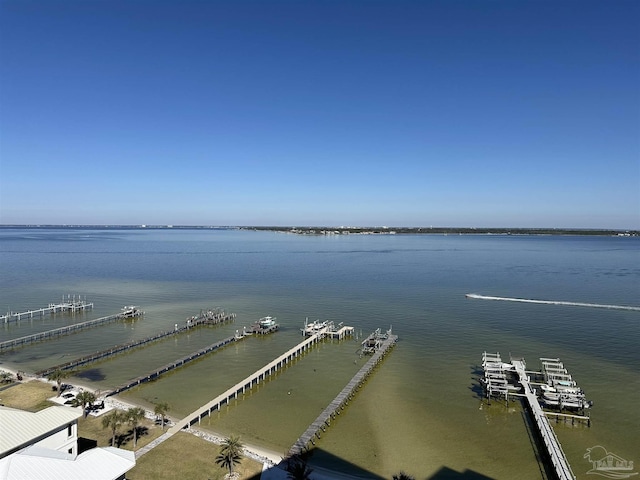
(239, 388)
(130, 312)
(175, 364)
(549, 438)
(342, 399)
(205, 318)
(71, 305)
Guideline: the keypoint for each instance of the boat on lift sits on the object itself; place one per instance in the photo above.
(267, 322)
(311, 328)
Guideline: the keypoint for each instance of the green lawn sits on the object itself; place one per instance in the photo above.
(183, 456)
(187, 457)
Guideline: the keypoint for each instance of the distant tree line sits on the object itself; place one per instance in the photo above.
(446, 230)
(324, 230)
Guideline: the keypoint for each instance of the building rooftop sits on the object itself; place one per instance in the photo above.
(36, 463)
(19, 428)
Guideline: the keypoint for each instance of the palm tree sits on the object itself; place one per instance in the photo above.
(230, 453)
(58, 376)
(299, 470)
(113, 420)
(161, 408)
(84, 398)
(403, 476)
(134, 417)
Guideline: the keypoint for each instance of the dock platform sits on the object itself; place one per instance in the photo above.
(128, 312)
(69, 305)
(552, 444)
(209, 317)
(342, 399)
(239, 388)
(173, 365)
(264, 326)
(502, 378)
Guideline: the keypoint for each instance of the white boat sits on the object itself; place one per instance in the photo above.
(130, 311)
(267, 322)
(562, 400)
(567, 389)
(313, 327)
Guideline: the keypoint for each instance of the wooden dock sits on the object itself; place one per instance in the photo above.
(70, 305)
(549, 439)
(209, 317)
(329, 328)
(173, 365)
(264, 326)
(239, 388)
(128, 312)
(342, 399)
(569, 416)
(339, 331)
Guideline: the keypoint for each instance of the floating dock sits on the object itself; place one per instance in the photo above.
(208, 317)
(342, 399)
(69, 305)
(127, 312)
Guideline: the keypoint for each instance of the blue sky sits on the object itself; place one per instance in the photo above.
(400, 113)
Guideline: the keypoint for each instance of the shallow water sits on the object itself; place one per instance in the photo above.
(420, 412)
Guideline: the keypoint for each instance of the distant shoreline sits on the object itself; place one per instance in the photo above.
(445, 231)
(327, 230)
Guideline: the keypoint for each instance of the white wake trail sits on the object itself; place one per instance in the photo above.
(553, 302)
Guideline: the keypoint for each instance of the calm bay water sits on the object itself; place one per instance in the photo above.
(420, 412)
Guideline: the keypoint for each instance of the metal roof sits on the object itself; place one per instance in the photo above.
(19, 428)
(36, 463)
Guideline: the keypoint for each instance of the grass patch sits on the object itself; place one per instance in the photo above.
(183, 456)
(91, 428)
(186, 456)
(30, 396)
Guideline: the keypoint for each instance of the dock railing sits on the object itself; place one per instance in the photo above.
(57, 332)
(341, 400)
(552, 444)
(239, 388)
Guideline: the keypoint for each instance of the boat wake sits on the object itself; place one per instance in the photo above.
(553, 302)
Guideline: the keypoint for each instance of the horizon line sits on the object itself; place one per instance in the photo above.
(307, 227)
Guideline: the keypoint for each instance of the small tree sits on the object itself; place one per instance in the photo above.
(161, 408)
(5, 377)
(134, 417)
(58, 376)
(230, 453)
(113, 420)
(84, 398)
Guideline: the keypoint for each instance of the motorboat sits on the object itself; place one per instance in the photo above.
(267, 322)
(311, 328)
(130, 311)
(560, 388)
(563, 400)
